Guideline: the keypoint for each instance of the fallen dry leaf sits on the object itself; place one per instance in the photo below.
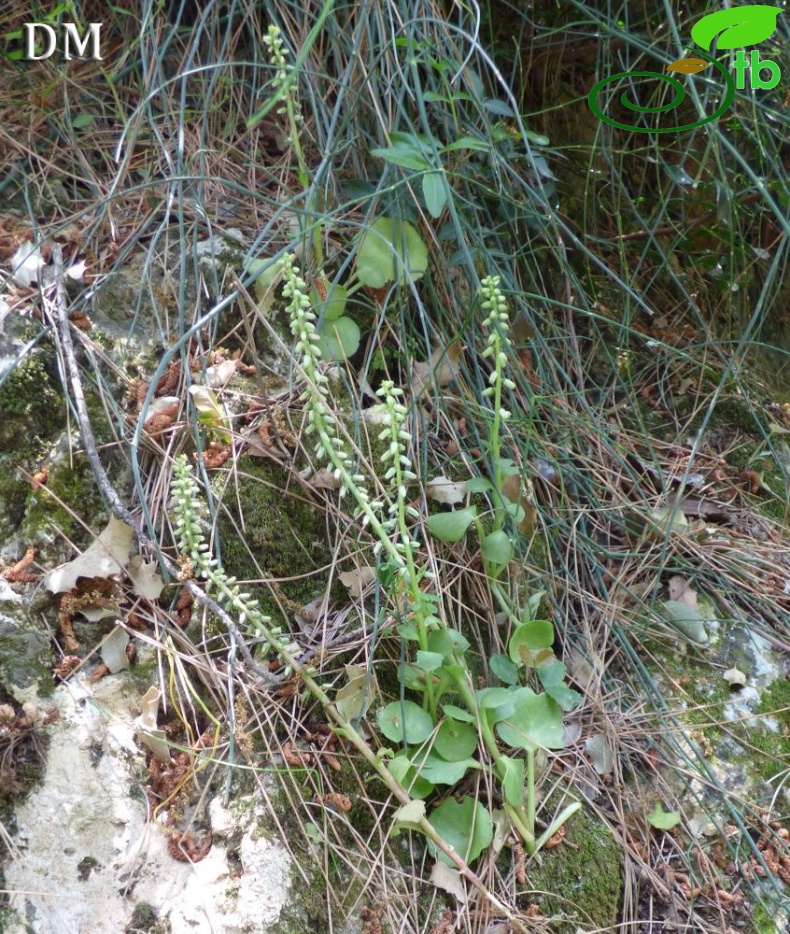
(108, 555)
(356, 580)
(682, 591)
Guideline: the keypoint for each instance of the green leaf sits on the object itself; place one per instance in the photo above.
(405, 721)
(528, 638)
(439, 771)
(504, 669)
(458, 713)
(334, 305)
(409, 631)
(435, 193)
(491, 698)
(535, 722)
(661, 819)
(441, 642)
(478, 485)
(537, 138)
(455, 741)
(411, 677)
(210, 411)
(510, 773)
(267, 273)
(82, 120)
(552, 678)
(406, 775)
(466, 826)
(468, 142)
(737, 26)
(390, 250)
(429, 661)
(409, 816)
(499, 108)
(451, 526)
(497, 547)
(339, 338)
(532, 607)
(403, 155)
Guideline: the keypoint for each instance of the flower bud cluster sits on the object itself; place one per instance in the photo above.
(185, 501)
(399, 470)
(273, 41)
(321, 422)
(497, 322)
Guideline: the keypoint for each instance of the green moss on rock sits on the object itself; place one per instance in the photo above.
(578, 883)
(269, 530)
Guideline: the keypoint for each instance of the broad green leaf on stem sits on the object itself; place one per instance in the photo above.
(510, 773)
(491, 698)
(736, 27)
(552, 677)
(478, 485)
(455, 741)
(466, 826)
(458, 713)
(529, 640)
(339, 338)
(405, 721)
(533, 605)
(442, 641)
(497, 547)
(334, 305)
(536, 722)
(390, 250)
(661, 819)
(411, 677)
(404, 773)
(409, 816)
(267, 274)
(428, 661)
(435, 193)
(438, 771)
(504, 669)
(499, 108)
(468, 142)
(403, 155)
(507, 468)
(451, 526)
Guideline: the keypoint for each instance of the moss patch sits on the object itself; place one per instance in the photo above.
(578, 883)
(270, 531)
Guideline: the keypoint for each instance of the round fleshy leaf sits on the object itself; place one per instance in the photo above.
(536, 722)
(497, 547)
(405, 721)
(455, 741)
(451, 526)
(504, 669)
(458, 713)
(466, 826)
(389, 250)
(534, 635)
(339, 338)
